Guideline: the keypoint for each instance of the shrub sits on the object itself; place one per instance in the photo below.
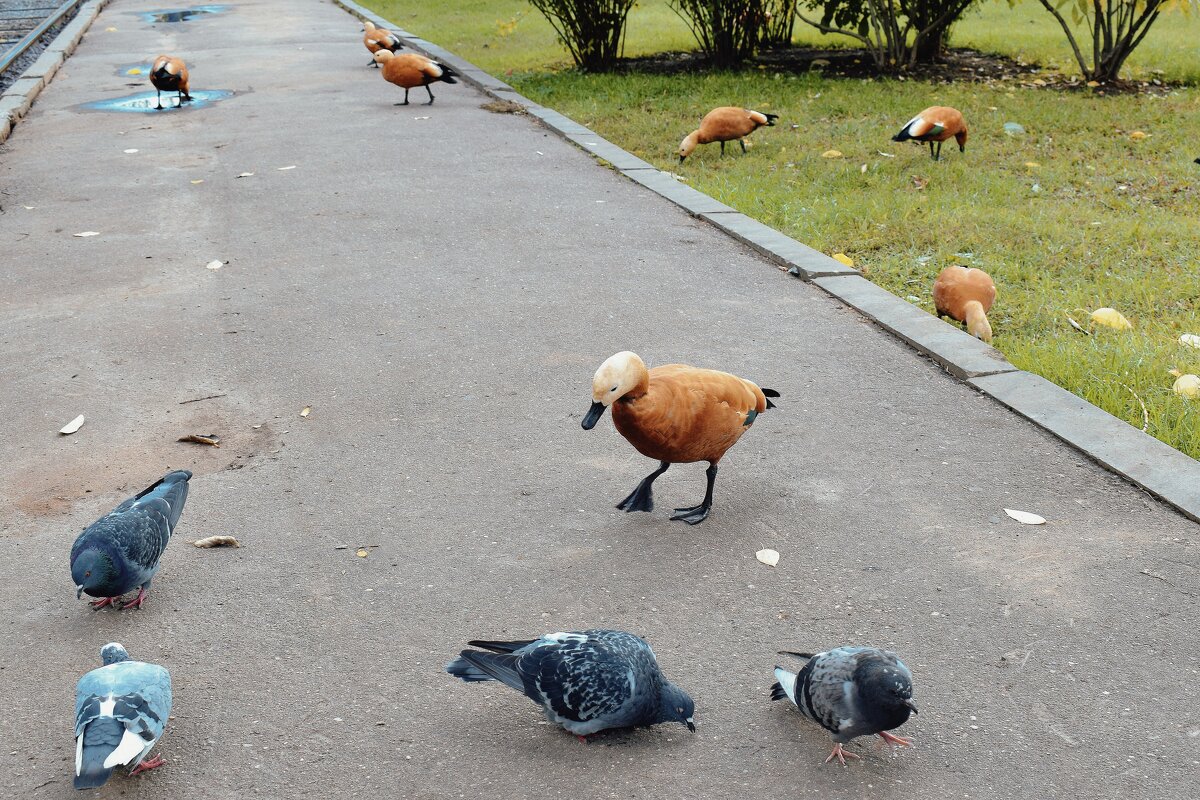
(592, 30)
(727, 31)
(897, 33)
(780, 23)
(1117, 27)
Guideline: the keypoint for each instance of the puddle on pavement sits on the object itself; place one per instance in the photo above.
(181, 14)
(145, 102)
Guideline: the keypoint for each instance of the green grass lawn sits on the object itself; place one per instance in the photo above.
(1071, 216)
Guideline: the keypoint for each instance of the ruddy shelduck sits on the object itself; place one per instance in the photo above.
(723, 125)
(676, 414)
(410, 70)
(935, 125)
(170, 74)
(966, 295)
(377, 39)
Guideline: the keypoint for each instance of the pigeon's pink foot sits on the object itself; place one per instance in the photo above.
(107, 601)
(841, 755)
(137, 601)
(148, 764)
(899, 741)
(583, 739)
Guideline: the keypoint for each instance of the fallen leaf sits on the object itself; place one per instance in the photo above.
(246, 175)
(199, 181)
(134, 71)
(1111, 318)
(306, 411)
(361, 552)
(429, 118)
(919, 182)
(216, 263)
(110, 29)
(1077, 326)
(1187, 386)
(1093, 84)
(131, 150)
(1025, 518)
(1032, 164)
(1137, 136)
(72, 426)
(216, 541)
(86, 234)
(1039, 82)
(29, 208)
(282, 169)
(768, 556)
(832, 154)
(1190, 339)
(863, 169)
(210, 439)
(886, 155)
(1174, 373)
(845, 259)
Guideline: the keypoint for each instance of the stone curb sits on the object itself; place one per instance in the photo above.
(1156, 467)
(18, 98)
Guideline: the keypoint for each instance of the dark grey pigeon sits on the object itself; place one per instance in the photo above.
(851, 691)
(585, 681)
(121, 710)
(120, 551)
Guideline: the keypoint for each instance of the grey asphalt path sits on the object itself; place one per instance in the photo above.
(439, 284)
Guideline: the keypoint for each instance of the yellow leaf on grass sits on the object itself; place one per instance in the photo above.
(1032, 164)
(1111, 318)
(832, 154)
(845, 259)
(1187, 386)
(1137, 136)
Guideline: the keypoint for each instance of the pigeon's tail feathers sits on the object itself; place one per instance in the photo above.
(785, 685)
(794, 653)
(501, 647)
(473, 666)
(769, 393)
(173, 488)
(94, 746)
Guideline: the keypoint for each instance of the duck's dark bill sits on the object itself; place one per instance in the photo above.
(593, 416)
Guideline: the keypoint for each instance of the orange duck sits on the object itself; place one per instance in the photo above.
(676, 414)
(723, 125)
(169, 74)
(935, 124)
(409, 70)
(377, 39)
(966, 295)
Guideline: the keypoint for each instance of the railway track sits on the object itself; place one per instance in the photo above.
(24, 27)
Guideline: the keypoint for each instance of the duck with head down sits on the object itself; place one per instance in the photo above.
(676, 414)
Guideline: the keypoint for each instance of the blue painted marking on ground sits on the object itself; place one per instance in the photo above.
(145, 102)
(181, 14)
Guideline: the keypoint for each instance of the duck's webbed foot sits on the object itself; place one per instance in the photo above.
(642, 499)
(697, 514)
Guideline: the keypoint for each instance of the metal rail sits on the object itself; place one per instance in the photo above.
(31, 38)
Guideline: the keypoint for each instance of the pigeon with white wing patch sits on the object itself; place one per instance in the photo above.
(585, 681)
(850, 691)
(121, 709)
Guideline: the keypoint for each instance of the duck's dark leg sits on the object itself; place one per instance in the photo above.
(931, 155)
(642, 499)
(697, 514)
(722, 148)
(430, 95)
(742, 142)
(159, 106)
(405, 99)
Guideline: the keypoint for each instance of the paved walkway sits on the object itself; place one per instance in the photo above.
(439, 284)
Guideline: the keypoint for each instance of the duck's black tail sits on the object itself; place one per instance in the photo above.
(448, 75)
(771, 119)
(769, 393)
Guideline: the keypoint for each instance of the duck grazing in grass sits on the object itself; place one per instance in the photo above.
(377, 39)
(676, 414)
(723, 125)
(170, 74)
(935, 125)
(966, 294)
(410, 70)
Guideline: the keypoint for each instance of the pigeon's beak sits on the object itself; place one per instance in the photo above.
(593, 416)
(78, 592)
(911, 705)
(691, 725)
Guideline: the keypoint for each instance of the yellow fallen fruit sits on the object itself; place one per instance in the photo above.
(1032, 164)
(845, 259)
(1137, 136)
(832, 154)
(1187, 386)
(1111, 318)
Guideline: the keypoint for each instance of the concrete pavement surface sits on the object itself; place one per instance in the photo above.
(438, 284)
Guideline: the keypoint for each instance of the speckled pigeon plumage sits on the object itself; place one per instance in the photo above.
(120, 551)
(121, 709)
(585, 681)
(850, 691)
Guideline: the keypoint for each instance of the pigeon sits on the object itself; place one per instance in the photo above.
(120, 711)
(851, 691)
(585, 681)
(120, 551)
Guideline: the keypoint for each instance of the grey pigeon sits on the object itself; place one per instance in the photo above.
(120, 551)
(851, 691)
(585, 681)
(120, 711)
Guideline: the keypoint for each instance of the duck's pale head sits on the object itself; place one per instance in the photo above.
(617, 376)
(688, 145)
(383, 55)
